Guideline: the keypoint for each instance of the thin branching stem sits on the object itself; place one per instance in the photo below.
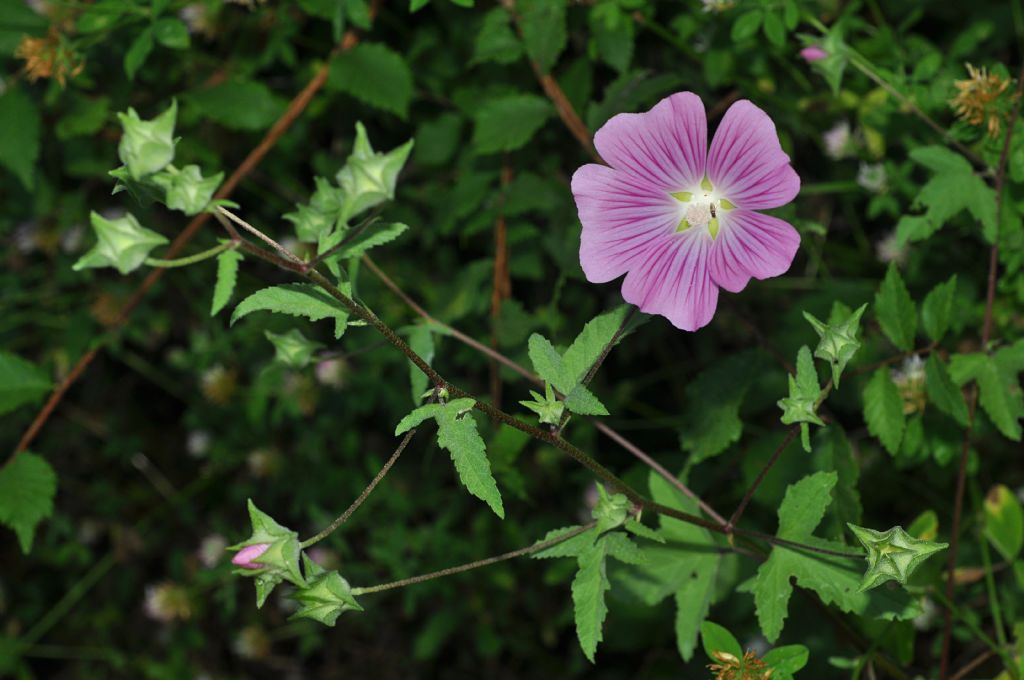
(191, 259)
(546, 436)
(972, 402)
(528, 550)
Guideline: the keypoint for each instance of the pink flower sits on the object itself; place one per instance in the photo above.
(813, 53)
(679, 219)
(246, 557)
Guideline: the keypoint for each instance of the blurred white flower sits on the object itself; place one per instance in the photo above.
(889, 249)
(838, 140)
(166, 602)
(211, 550)
(197, 443)
(871, 176)
(331, 372)
(718, 5)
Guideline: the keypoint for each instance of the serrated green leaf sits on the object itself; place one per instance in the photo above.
(571, 547)
(716, 638)
(643, 531)
(547, 361)
(582, 401)
(27, 487)
(937, 309)
(543, 26)
(457, 433)
(1000, 392)
(746, 25)
(1004, 521)
(171, 32)
(496, 41)
(895, 310)
(508, 122)
(21, 382)
(296, 299)
(787, 659)
(954, 187)
(376, 75)
(711, 420)
(238, 104)
(942, 392)
(421, 341)
(835, 579)
(373, 236)
(684, 564)
(588, 589)
(832, 452)
(588, 346)
(774, 29)
(227, 275)
(19, 134)
(138, 52)
(623, 549)
(883, 410)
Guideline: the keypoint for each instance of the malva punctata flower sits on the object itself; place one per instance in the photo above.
(247, 556)
(678, 218)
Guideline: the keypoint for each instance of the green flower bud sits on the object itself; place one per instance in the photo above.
(610, 511)
(122, 243)
(186, 190)
(326, 595)
(547, 407)
(369, 178)
(147, 146)
(893, 555)
(838, 342)
(274, 552)
(293, 349)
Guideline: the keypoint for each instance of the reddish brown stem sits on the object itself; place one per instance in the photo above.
(986, 335)
(294, 110)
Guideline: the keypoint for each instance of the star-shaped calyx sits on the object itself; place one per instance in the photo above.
(838, 341)
(326, 597)
(270, 555)
(893, 555)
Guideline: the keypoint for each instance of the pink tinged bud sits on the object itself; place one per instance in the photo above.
(813, 53)
(246, 557)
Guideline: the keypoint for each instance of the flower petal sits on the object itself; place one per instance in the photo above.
(751, 244)
(666, 146)
(621, 216)
(746, 164)
(673, 281)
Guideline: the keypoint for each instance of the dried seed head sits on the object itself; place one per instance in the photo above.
(978, 102)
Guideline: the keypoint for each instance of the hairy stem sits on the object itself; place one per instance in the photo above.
(343, 517)
(548, 437)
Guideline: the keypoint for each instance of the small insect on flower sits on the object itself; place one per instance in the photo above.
(677, 218)
(978, 99)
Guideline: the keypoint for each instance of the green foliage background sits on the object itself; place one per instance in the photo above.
(181, 418)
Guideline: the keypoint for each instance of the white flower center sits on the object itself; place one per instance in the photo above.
(697, 213)
(702, 207)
